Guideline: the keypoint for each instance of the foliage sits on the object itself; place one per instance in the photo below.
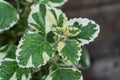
(38, 42)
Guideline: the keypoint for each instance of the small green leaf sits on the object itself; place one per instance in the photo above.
(85, 60)
(89, 29)
(65, 74)
(54, 13)
(70, 51)
(8, 16)
(60, 20)
(50, 37)
(9, 70)
(67, 31)
(33, 51)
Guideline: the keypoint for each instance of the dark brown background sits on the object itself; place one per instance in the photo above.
(105, 50)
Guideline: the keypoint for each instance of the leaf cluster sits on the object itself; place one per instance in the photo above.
(38, 42)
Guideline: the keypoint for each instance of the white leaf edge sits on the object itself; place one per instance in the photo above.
(84, 22)
(49, 77)
(29, 62)
(87, 60)
(57, 4)
(7, 59)
(14, 76)
(2, 56)
(49, 18)
(13, 22)
(62, 44)
(35, 9)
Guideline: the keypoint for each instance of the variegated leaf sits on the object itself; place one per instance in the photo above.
(67, 31)
(85, 60)
(7, 51)
(9, 70)
(54, 3)
(70, 51)
(8, 16)
(33, 51)
(89, 29)
(65, 74)
(43, 18)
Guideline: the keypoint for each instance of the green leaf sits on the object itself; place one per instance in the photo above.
(70, 51)
(50, 37)
(85, 60)
(57, 3)
(59, 16)
(8, 16)
(65, 74)
(67, 31)
(9, 70)
(54, 3)
(2, 53)
(60, 20)
(36, 18)
(89, 29)
(7, 51)
(33, 51)
(44, 18)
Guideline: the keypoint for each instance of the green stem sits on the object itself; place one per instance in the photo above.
(18, 5)
(27, 8)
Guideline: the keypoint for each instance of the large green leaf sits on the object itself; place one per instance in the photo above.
(85, 60)
(70, 51)
(44, 19)
(33, 51)
(8, 16)
(9, 70)
(89, 29)
(65, 74)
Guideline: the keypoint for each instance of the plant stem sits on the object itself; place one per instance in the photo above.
(18, 5)
(27, 8)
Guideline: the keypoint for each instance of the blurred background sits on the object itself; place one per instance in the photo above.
(105, 50)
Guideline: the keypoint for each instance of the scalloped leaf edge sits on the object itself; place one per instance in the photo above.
(13, 22)
(74, 69)
(84, 22)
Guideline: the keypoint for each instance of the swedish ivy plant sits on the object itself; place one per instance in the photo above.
(38, 42)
